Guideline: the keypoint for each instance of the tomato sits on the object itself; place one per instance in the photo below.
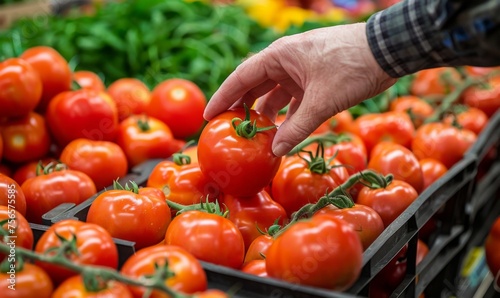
(54, 187)
(492, 247)
(391, 126)
(103, 161)
(478, 71)
(17, 226)
(299, 182)
(341, 122)
(74, 287)
(131, 96)
(82, 113)
(239, 165)
(390, 158)
(139, 215)
(28, 170)
(143, 138)
(432, 170)
(89, 80)
(30, 281)
(180, 104)
(189, 277)
(20, 88)
(94, 244)
(434, 82)
(390, 201)
(364, 220)
(258, 248)
(209, 237)
(418, 108)
(443, 142)
(349, 151)
(469, 118)
(255, 267)
(53, 70)
(323, 240)
(485, 97)
(25, 139)
(252, 214)
(212, 293)
(12, 194)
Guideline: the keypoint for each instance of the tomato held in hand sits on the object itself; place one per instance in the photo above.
(131, 96)
(20, 88)
(12, 194)
(492, 247)
(209, 237)
(30, 281)
(75, 287)
(89, 80)
(94, 244)
(140, 215)
(189, 277)
(22, 235)
(180, 104)
(323, 240)
(239, 160)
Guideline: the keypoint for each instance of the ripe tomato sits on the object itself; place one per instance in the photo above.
(12, 194)
(19, 230)
(388, 202)
(443, 142)
(492, 247)
(102, 161)
(180, 104)
(30, 281)
(390, 158)
(323, 240)
(418, 108)
(53, 70)
(258, 248)
(299, 182)
(189, 277)
(364, 220)
(143, 138)
(469, 118)
(255, 267)
(209, 237)
(139, 215)
(54, 187)
(478, 71)
(349, 151)
(28, 170)
(25, 139)
(74, 287)
(434, 82)
(131, 96)
(211, 293)
(484, 97)
(20, 88)
(432, 170)
(82, 113)
(252, 214)
(341, 122)
(95, 247)
(239, 165)
(89, 80)
(391, 126)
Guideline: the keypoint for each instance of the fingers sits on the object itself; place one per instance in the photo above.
(252, 95)
(273, 102)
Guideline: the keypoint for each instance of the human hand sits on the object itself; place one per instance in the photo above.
(319, 73)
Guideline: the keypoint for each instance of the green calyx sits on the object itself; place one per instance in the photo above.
(118, 186)
(246, 128)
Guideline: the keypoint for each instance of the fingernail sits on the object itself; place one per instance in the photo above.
(281, 149)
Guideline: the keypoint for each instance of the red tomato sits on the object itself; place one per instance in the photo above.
(82, 113)
(252, 214)
(143, 138)
(255, 267)
(418, 108)
(30, 281)
(189, 277)
(131, 96)
(341, 122)
(432, 170)
(103, 161)
(12, 194)
(391, 126)
(89, 80)
(299, 182)
(53, 69)
(28, 170)
(20, 88)
(209, 237)
(390, 158)
(480, 71)
(492, 247)
(47, 191)
(180, 104)
(95, 247)
(323, 240)
(388, 202)
(258, 248)
(443, 142)
(25, 139)
(20, 233)
(248, 164)
(484, 97)
(211, 293)
(141, 217)
(363, 219)
(74, 287)
(349, 151)
(469, 118)
(434, 82)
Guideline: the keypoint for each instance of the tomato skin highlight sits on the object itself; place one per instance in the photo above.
(31, 281)
(10, 190)
(255, 267)
(89, 80)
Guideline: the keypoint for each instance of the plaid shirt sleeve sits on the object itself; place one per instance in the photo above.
(417, 34)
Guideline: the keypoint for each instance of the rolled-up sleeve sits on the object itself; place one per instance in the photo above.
(417, 34)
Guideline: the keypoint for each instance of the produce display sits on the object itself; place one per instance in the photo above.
(103, 146)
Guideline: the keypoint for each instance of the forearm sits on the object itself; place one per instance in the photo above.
(419, 34)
